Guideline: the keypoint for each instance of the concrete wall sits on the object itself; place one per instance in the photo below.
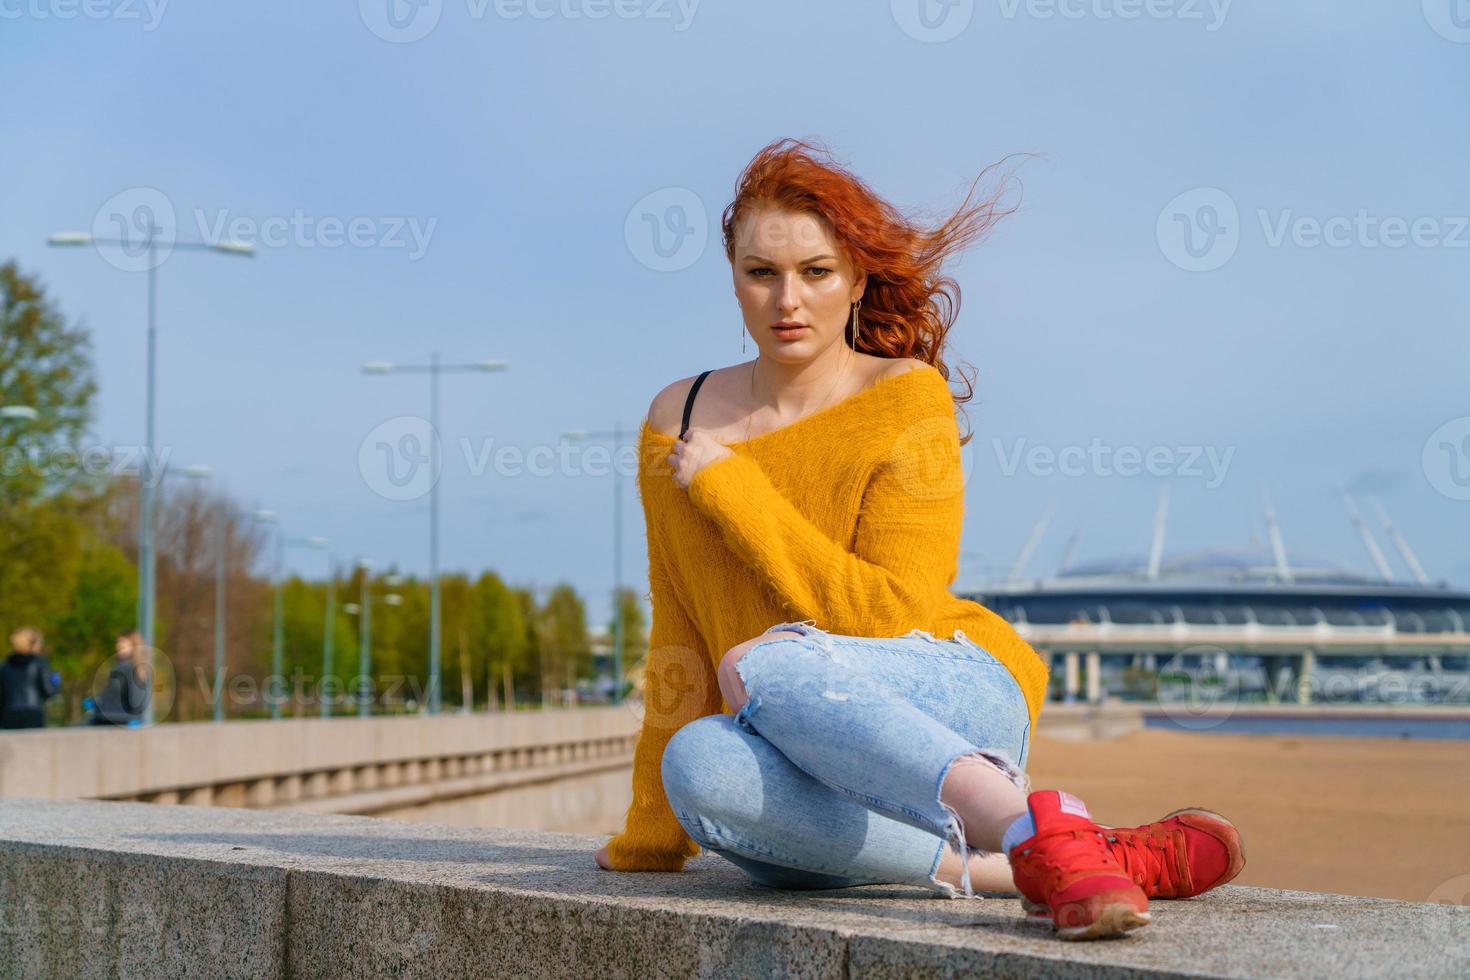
(95, 889)
(374, 765)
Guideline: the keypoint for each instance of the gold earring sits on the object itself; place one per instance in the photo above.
(743, 334)
(855, 323)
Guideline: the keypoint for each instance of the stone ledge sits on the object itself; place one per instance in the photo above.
(102, 888)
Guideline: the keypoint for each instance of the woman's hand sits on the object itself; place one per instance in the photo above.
(603, 861)
(696, 450)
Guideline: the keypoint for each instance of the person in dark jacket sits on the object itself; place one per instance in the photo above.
(129, 684)
(26, 682)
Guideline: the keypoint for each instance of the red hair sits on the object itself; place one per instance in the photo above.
(908, 307)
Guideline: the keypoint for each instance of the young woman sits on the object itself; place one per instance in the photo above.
(124, 697)
(880, 727)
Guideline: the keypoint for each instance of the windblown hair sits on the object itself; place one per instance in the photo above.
(908, 306)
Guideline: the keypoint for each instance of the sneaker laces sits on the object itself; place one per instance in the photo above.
(1143, 856)
(1067, 850)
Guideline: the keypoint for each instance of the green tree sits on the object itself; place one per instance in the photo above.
(502, 645)
(635, 638)
(102, 604)
(45, 365)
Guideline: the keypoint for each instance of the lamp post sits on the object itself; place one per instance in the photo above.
(277, 636)
(617, 434)
(433, 369)
(201, 472)
(197, 471)
(146, 583)
(329, 637)
(364, 610)
(278, 625)
(319, 543)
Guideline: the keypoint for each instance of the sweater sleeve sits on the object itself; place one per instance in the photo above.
(906, 545)
(680, 685)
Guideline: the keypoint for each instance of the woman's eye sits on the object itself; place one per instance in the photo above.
(816, 268)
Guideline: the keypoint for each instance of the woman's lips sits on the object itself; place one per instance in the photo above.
(787, 333)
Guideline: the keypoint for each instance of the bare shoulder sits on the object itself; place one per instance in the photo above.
(903, 365)
(666, 412)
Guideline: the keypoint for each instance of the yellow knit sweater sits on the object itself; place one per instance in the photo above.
(850, 517)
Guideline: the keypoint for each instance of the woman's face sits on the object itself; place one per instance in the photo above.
(124, 647)
(788, 267)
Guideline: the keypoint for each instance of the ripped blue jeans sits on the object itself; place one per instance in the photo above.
(829, 775)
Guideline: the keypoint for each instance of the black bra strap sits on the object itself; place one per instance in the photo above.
(689, 402)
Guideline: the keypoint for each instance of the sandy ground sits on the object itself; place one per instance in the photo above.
(1356, 816)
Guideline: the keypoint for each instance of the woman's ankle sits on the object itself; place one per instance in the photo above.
(985, 796)
(989, 872)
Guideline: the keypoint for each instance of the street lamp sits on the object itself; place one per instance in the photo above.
(433, 369)
(278, 625)
(364, 609)
(146, 582)
(196, 471)
(270, 517)
(320, 543)
(617, 434)
(202, 472)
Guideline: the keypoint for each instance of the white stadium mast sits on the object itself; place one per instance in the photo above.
(1156, 552)
(1401, 545)
(1278, 547)
(1375, 553)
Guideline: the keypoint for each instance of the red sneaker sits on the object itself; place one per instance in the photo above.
(1068, 870)
(1181, 855)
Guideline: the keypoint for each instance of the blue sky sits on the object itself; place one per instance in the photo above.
(518, 146)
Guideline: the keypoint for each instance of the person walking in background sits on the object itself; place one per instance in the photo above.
(26, 681)
(129, 683)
